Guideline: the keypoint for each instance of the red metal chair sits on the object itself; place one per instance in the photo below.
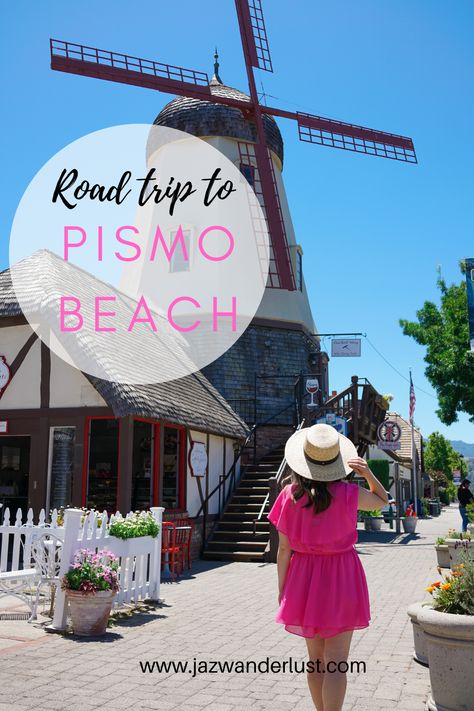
(183, 540)
(170, 551)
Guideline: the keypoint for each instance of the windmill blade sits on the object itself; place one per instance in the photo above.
(257, 167)
(125, 69)
(350, 137)
(252, 27)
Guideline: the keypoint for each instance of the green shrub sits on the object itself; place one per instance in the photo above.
(452, 491)
(440, 541)
(443, 495)
(425, 507)
(381, 469)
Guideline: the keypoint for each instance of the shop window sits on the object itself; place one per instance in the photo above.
(143, 465)
(61, 466)
(14, 473)
(172, 496)
(103, 464)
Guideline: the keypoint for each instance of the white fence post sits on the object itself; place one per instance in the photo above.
(72, 525)
(155, 559)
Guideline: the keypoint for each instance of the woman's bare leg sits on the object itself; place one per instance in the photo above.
(336, 650)
(315, 678)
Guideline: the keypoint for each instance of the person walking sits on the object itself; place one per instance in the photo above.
(322, 589)
(465, 497)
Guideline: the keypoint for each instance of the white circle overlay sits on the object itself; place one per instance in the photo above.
(139, 254)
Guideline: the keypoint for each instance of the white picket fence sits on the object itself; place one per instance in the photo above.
(140, 558)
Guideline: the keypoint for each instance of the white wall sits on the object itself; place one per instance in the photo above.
(68, 386)
(24, 389)
(215, 468)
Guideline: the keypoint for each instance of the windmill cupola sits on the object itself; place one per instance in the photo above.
(204, 118)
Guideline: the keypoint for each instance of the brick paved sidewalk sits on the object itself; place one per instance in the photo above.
(225, 612)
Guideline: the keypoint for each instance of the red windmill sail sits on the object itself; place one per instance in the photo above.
(126, 69)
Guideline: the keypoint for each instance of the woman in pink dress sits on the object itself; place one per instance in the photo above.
(323, 593)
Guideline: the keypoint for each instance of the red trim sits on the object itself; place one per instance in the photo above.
(156, 465)
(182, 468)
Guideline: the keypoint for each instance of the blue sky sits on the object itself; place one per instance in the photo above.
(374, 231)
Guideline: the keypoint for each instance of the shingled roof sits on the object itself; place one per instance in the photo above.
(190, 400)
(404, 454)
(203, 118)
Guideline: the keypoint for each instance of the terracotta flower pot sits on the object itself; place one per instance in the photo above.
(420, 653)
(442, 553)
(90, 613)
(409, 524)
(450, 641)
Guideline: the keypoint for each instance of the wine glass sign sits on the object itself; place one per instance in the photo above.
(312, 387)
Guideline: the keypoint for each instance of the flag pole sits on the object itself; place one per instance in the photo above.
(413, 450)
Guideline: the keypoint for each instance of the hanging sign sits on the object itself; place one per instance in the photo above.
(312, 387)
(198, 459)
(388, 435)
(5, 374)
(470, 298)
(339, 423)
(345, 347)
(456, 476)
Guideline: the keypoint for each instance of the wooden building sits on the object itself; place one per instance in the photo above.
(67, 438)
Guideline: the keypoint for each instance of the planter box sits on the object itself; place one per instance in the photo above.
(372, 523)
(420, 652)
(450, 641)
(130, 546)
(409, 524)
(457, 549)
(442, 552)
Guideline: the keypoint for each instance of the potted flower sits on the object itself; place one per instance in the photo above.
(459, 545)
(141, 525)
(442, 552)
(449, 631)
(470, 514)
(91, 584)
(410, 520)
(420, 652)
(373, 520)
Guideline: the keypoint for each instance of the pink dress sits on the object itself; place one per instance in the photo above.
(325, 591)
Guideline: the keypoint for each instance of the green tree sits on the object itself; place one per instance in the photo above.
(440, 456)
(445, 333)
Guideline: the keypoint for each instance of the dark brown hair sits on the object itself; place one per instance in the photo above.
(317, 492)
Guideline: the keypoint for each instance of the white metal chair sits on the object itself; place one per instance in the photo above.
(41, 563)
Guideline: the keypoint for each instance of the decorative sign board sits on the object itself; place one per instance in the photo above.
(62, 465)
(339, 423)
(457, 476)
(345, 347)
(3, 426)
(5, 374)
(312, 387)
(388, 435)
(198, 459)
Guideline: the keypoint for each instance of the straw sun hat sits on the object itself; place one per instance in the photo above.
(319, 453)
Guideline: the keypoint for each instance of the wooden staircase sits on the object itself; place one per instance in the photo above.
(233, 537)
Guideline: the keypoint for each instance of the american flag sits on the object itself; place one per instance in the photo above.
(412, 399)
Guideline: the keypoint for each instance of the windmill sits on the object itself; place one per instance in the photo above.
(112, 66)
